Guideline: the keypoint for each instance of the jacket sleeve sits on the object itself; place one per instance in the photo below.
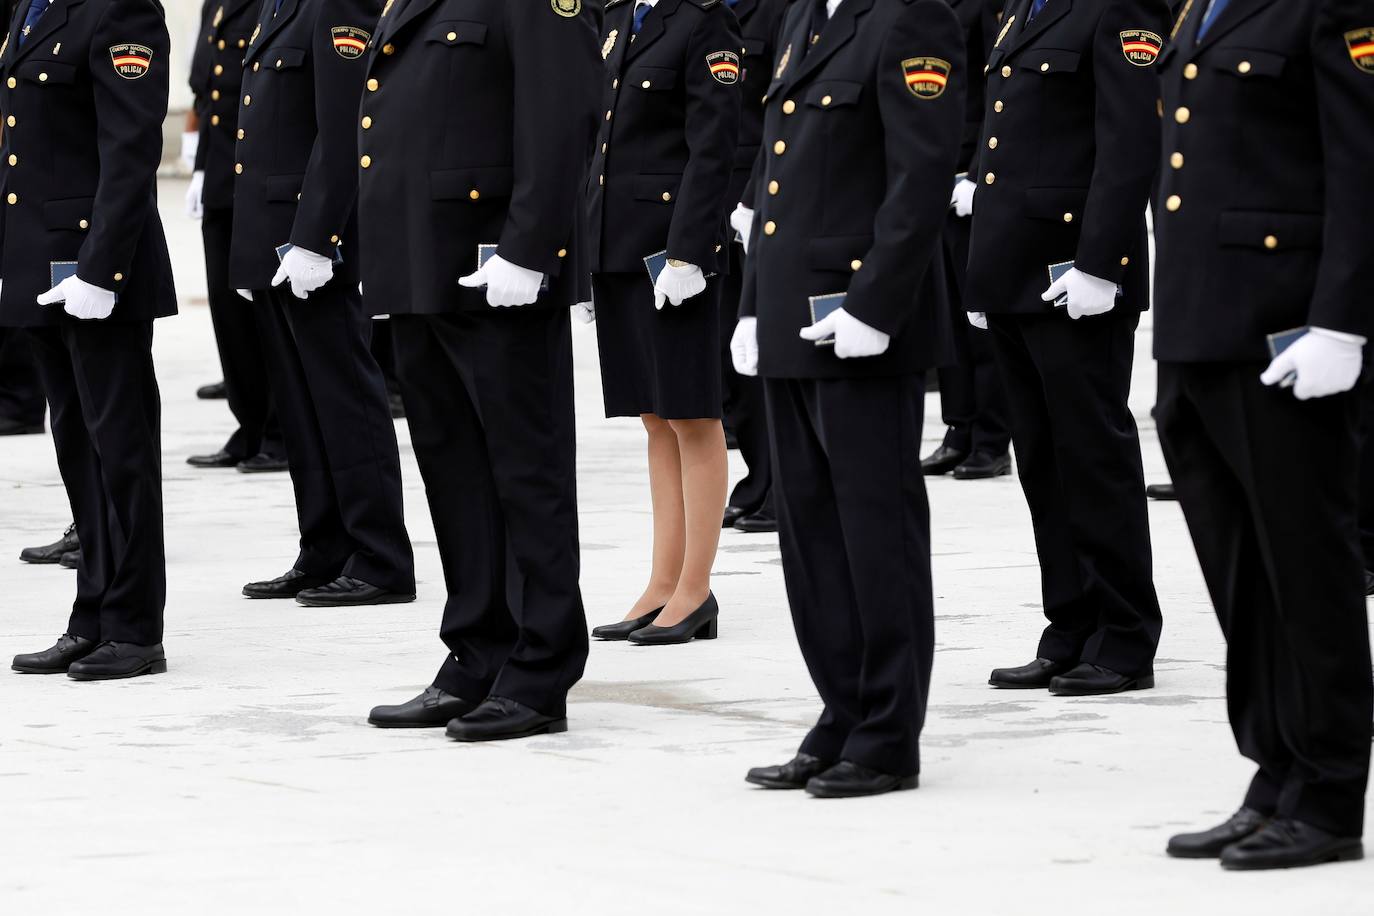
(330, 187)
(1127, 140)
(921, 137)
(1345, 99)
(556, 71)
(713, 113)
(129, 111)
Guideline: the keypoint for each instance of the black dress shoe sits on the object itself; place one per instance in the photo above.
(71, 560)
(941, 461)
(215, 392)
(285, 586)
(984, 467)
(1034, 676)
(347, 591)
(52, 553)
(262, 464)
(1163, 492)
(1286, 843)
(849, 780)
(1094, 681)
(56, 660)
(794, 774)
(700, 624)
(112, 661)
(1208, 844)
(758, 523)
(431, 709)
(220, 459)
(500, 719)
(732, 515)
(10, 427)
(619, 631)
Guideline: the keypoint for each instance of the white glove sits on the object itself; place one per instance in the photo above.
(306, 270)
(742, 221)
(962, 199)
(979, 320)
(194, 208)
(744, 347)
(1323, 363)
(852, 336)
(678, 284)
(507, 284)
(82, 300)
(1088, 295)
(584, 312)
(190, 143)
(245, 294)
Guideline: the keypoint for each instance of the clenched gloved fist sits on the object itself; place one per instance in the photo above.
(584, 312)
(744, 347)
(507, 284)
(194, 208)
(962, 199)
(82, 300)
(742, 221)
(979, 320)
(678, 284)
(853, 338)
(190, 145)
(1088, 295)
(306, 270)
(1318, 364)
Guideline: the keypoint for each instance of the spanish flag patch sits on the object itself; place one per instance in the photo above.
(724, 66)
(1141, 47)
(349, 42)
(131, 61)
(926, 77)
(1361, 45)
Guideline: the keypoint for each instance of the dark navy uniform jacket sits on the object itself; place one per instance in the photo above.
(216, 79)
(476, 130)
(861, 139)
(665, 155)
(83, 101)
(1263, 217)
(297, 155)
(1068, 151)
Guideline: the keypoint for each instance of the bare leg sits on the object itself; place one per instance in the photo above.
(705, 479)
(665, 487)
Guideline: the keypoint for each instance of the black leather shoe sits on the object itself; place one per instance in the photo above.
(941, 461)
(849, 780)
(215, 392)
(732, 515)
(1208, 844)
(1163, 492)
(285, 586)
(56, 660)
(112, 661)
(700, 624)
(262, 464)
(984, 467)
(1286, 843)
(220, 459)
(1034, 676)
(71, 560)
(758, 523)
(431, 709)
(500, 719)
(347, 591)
(1094, 681)
(51, 554)
(10, 427)
(621, 631)
(794, 774)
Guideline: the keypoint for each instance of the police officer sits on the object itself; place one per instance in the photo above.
(1264, 459)
(85, 269)
(474, 132)
(216, 75)
(861, 135)
(294, 246)
(1063, 175)
(971, 400)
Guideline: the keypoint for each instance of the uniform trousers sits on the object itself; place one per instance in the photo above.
(340, 439)
(854, 526)
(745, 413)
(1078, 455)
(106, 425)
(21, 393)
(240, 347)
(489, 400)
(1268, 487)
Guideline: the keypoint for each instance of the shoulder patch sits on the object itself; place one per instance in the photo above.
(1141, 47)
(724, 66)
(349, 41)
(568, 9)
(1361, 45)
(131, 61)
(926, 77)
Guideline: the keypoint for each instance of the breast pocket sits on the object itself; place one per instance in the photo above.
(1050, 62)
(458, 33)
(833, 95)
(284, 59)
(1249, 63)
(46, 72)
(651, 79)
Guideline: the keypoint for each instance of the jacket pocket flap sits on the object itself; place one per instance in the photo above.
(1270, 231)
(471, 184)
(1050, 61)
(73, 213)
(1055, 203)
(284, 187)
(1245, 63)
(661, 188)
(47, 71)
(838, 252)
(458, 32)
(833, 94)
(284, 58)
(652, 79)
(754, 47)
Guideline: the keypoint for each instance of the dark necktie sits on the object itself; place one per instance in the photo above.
(1214, 11)
(641, 11)
(1035, 9)
(36, 10)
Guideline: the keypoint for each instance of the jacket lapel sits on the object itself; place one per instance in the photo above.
(53, 19)
(395, 20)
(836, 34)
(653, 28)
(744, 9)
(1231, 17)
(270, 24)
(1023, 33)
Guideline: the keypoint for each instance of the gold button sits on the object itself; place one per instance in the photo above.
(1068, 217)
(256, 65)
(1006, 72)
(992, 143)
(855, 264)
(990, 178)
(240, 133)
(14, 160)
(365, 162)
(247, 100)
(604, 147)
(214, 120)
(474, 194)
(562, 252)
(11, 121)
(789, 106)
(11, 82)
(279, 63)
(1190, 72)
(367, 122)
(13, 198)
(779, 148)
(219, 70)
(1182, 115)
(1173, 203)
(608, 114)
(1271, 242)
(667, 196)
(221, 44)
(1159, 107)
(452, 36)
(243, 42)
(997, 106)
(825, 102)
(334, 240)
(85, 224)
(773, 188)
(214, 94)
(372, 85)
(119, 278)
(42, 77)
(388, 49)
(1045, 67)
(1244, 67)
(770, 227)
(1176, 160)
(238, 168)
(644, 85)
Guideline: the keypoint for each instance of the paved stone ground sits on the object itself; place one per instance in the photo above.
(246, 780)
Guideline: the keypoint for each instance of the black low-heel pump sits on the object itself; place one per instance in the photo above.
(703, 623)
(622, 630)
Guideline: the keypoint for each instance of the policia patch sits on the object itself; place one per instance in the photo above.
(1141, 47)
(566, 8)
(926, 77)
(349, 42)
(131, 61)
(724, 66)
(1361, 45)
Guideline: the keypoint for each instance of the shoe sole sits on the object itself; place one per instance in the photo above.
(157, 667)
(248, 594)
(1140, 683)
(375, 724)
(1001, 686)
(773, 786)
(384, 599)
(1006, 473)
(243, 470)
(556, 727)
(910, 782)
(1347, 854)
(40, 562)
(21, 669)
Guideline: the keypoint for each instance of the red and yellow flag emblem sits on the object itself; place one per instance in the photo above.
(1141, 47)
(926, 77)
(349, 42)
(131, 61)
(724, 66)
(1361, 45)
